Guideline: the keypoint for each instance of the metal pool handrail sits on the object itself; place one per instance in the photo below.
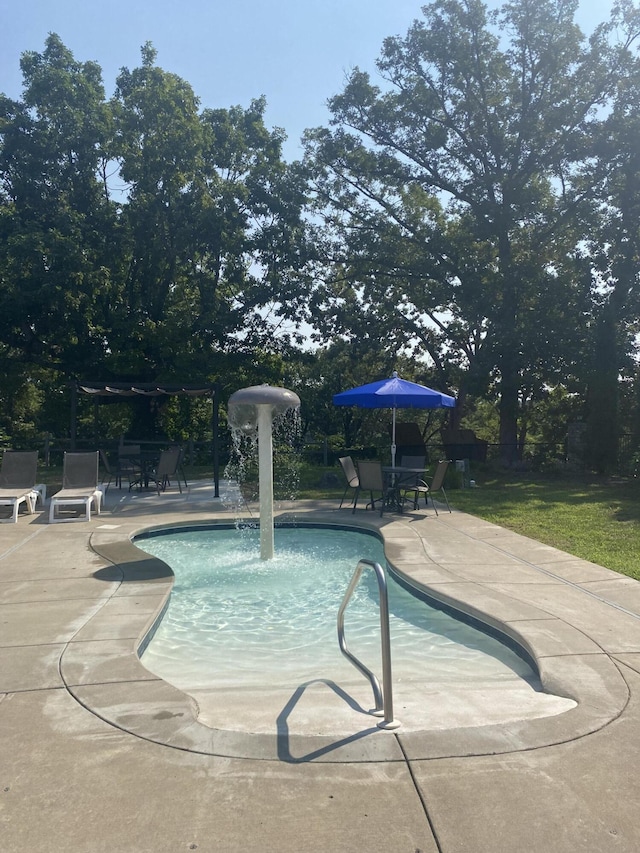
(383, 697)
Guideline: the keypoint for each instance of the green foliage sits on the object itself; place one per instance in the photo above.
(55, 224)
(20, 403)
(141, 238)
(612, 262)
(470, 218)
(184, 418)
(482, 418)
(450, 195)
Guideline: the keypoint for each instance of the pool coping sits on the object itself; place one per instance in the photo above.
(109, 680)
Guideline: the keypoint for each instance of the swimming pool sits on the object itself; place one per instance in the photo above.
(238, 625)
(234, 620)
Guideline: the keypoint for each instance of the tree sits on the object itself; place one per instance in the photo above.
(213, 216)
(613, 258)
(449, 192)
(195, 263)
(158, 147)
(56, 225)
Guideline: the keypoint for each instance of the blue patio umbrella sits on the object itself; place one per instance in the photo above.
(394, 393)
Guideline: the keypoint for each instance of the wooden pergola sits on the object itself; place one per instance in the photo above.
(134, 390)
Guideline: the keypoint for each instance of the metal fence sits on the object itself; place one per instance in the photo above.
(530, 455)
(52, 449)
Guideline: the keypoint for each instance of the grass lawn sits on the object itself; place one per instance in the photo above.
(595, 519)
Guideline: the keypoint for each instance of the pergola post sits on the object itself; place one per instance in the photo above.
(74, 414)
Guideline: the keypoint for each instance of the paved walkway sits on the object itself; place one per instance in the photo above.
(98, 754)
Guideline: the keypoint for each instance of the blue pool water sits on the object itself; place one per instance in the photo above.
(236, 621)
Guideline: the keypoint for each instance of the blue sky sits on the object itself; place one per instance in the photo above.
(294, 52)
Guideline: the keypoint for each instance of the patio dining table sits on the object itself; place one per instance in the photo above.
(397, 478)
(146, 462)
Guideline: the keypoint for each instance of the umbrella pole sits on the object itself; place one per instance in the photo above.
(393, 440)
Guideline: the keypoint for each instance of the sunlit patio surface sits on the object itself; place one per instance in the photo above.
(99, 754)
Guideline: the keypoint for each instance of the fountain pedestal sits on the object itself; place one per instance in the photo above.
(253, 410)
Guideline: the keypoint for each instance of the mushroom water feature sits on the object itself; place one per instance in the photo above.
(252, 410)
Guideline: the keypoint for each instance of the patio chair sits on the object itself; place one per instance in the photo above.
(169, 466)
(351, 475)
(79, 487)
(180, 469)
(111, 472)
(370, 479)
(428, 490)
(18, 482)
(412, 461)
(415, 462)
(129, 466)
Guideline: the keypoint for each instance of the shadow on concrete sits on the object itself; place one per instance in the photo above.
(282, 725)
(129, 564)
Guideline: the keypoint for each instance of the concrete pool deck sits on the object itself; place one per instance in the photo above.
(98, 754)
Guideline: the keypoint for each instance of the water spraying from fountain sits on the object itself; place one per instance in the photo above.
(252, 410)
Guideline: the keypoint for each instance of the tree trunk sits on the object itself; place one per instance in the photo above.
(602, 397)
(509, 355)
(508, 415)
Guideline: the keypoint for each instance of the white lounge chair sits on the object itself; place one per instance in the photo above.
(79, 487)
(18, 482)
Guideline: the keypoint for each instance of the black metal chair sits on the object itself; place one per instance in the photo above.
(413, 461)
(116, 472)
(129, 466)
(428, 490)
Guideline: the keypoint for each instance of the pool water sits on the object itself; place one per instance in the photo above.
(235, 621)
